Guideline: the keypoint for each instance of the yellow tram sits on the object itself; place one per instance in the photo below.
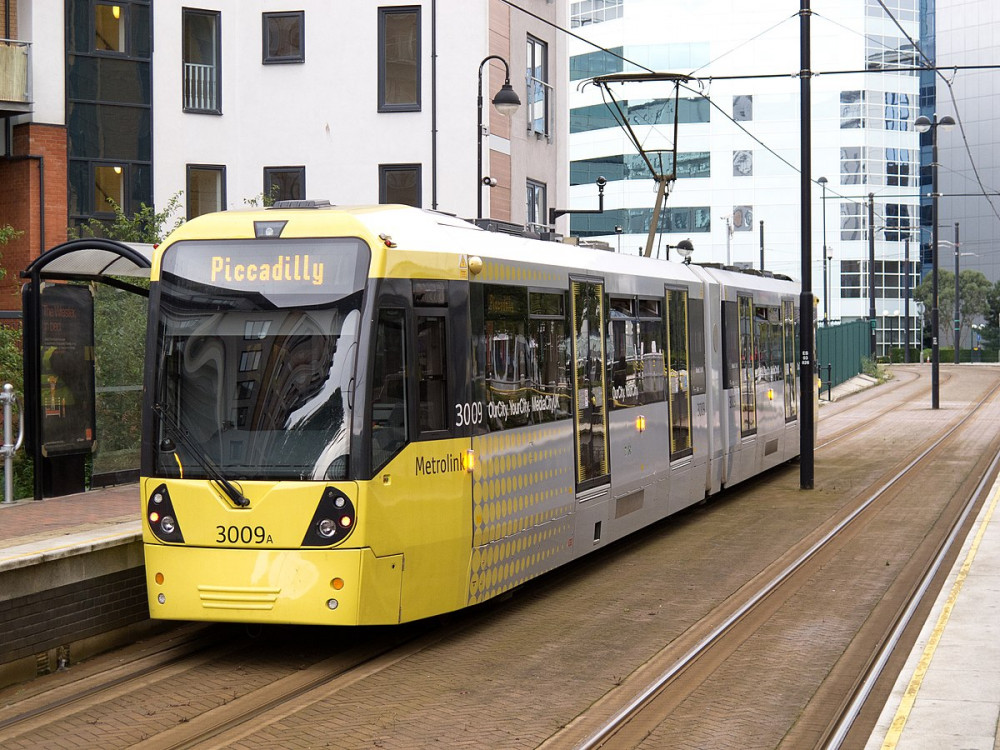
(374, 415)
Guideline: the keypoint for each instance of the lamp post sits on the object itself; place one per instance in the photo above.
(826, 296)
(958, 318)
(922, 125)
(906, 297)
(506, 102)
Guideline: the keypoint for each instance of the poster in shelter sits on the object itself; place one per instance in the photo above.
(67, 374)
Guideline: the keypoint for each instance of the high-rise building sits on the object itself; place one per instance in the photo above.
(736, 196)
(968, 35)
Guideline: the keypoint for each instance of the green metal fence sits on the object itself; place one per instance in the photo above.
(844, 347)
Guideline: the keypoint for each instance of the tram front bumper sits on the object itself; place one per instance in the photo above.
(307, 587)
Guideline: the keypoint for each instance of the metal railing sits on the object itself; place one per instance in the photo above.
(8, 398)
(15, 69)
(200, 89)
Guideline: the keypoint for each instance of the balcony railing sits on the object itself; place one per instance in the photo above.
(15, 76)
(200, 88)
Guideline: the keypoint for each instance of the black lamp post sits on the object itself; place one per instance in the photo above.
(826, 296)
(958, 316)
(922, 125)
(506, 102)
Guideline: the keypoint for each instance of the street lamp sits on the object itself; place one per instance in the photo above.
(826, 296)
(922, 125)
(506, 102)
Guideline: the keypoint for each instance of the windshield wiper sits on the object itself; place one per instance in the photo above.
(229, 489)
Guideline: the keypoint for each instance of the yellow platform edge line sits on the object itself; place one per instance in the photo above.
(895, 732)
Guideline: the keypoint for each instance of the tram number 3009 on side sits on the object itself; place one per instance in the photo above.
(468, 414)
(242, 534)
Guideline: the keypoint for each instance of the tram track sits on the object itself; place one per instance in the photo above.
(359, 688)
(687, 663)
(95, 698)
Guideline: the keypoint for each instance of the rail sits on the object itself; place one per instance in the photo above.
(10, 447)
(847, 716)
(200, 87)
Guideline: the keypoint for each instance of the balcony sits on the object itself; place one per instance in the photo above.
(15, 77)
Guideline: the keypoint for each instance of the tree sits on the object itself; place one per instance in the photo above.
(145, 225)
(974, 293)
(11, 371)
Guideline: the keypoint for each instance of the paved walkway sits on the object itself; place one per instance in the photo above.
(37, 530)
(948, 694)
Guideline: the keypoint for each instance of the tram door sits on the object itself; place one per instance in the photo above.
(591, 427)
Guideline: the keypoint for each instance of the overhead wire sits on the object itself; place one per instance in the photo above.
(700, 92)
(951, 93)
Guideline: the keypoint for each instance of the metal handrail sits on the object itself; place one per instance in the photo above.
(10, 447)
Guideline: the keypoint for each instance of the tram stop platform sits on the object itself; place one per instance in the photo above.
(71, 579)
(948, 693)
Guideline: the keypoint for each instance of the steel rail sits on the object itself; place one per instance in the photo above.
(874, 673)
(633, 707)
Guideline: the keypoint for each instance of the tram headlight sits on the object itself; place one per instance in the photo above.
(161, 516)
(332, 521)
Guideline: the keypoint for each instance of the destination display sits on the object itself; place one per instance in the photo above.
(273, 268)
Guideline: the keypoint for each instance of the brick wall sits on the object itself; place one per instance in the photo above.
(35, 623)
(20, 201)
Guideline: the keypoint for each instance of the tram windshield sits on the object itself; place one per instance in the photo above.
(255, 353)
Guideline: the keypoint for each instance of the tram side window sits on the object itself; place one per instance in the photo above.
(749, 359)
(622, 352)
(768, 344)
(549, 356)
(731, 347)
(433, 378)
(634, 351)
(788, 338)
(389, 428)
(652, 367)
(507, 377)
(696, 321)
(680, 388)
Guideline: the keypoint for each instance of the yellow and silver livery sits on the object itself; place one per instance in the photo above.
(378, 414)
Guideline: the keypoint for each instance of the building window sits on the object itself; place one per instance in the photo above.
(284, 37)
(851, 225)
(202, 50)
(852, 165)
(109, 188)
(536, 206)
(537, 87)
(285, 183)
(109, 28)
(206, 189)
(742, 163)
(399, 183)
(594, 11)
(852, 114)
(399, 59)
(898, 221)
(899, 166)
(890, 279)
(897, 111)
(743, 108)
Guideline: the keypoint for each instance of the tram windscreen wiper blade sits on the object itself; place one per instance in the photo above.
(215, 475)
